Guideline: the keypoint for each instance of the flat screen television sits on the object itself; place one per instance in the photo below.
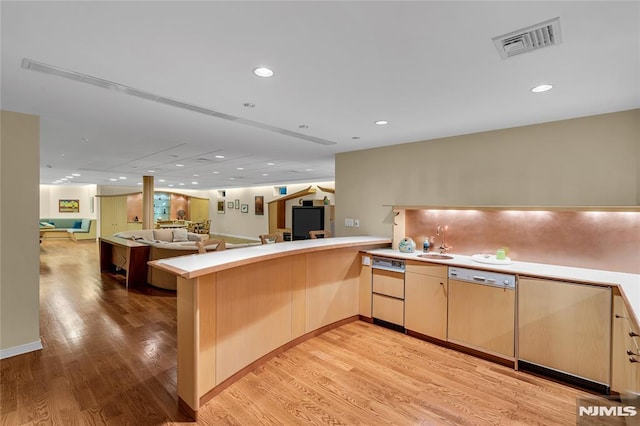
(305, 219)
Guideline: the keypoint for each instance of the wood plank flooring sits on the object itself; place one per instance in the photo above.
(109, 357)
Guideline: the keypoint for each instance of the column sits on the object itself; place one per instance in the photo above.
(147, 202)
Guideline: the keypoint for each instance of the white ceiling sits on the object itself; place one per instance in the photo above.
(429, 68)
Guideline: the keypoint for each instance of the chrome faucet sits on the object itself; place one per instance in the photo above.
(441, 230)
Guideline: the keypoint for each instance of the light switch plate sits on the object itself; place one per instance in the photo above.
(348, 222)
(356, 223)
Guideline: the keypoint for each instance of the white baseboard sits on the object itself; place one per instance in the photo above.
(21, 349)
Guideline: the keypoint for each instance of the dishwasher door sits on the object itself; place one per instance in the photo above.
(482, 317)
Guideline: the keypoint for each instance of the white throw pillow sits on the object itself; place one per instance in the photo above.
(180, 235)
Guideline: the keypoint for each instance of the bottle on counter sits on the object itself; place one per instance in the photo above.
(426, 245)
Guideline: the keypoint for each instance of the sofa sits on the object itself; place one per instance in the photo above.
(164, 243)
(70, 228)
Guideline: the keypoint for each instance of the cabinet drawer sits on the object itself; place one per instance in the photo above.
(388, 282)
(425, 268)
(388, 309)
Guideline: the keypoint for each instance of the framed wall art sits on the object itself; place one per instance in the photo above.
(230, 205)
(69, 206)
(236, 204)
(244, 208)
(259, 205)
(221, 206)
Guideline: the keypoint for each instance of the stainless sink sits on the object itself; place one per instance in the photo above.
(435, 256)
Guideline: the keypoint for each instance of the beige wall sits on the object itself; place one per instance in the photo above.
(585, 161)
(51, 194)
(250, 225)
(19, 249)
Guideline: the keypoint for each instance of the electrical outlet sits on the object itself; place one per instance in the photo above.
(356, 223)
(348, 222)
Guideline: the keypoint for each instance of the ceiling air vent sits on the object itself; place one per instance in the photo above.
(535, 37)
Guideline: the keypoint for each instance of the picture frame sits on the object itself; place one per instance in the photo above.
(244, 208)
(69, 206)
(220, 206)
(230, 205)
(259, 205)
(237, 204)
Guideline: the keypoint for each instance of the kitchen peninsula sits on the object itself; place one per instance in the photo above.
(238, 308)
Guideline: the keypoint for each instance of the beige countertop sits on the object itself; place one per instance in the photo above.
(201, 264)
(629, 284)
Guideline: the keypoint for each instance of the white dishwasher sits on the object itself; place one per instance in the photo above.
(387, 298)
(481, 311)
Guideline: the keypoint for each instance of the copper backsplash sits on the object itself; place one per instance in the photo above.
(586, 239)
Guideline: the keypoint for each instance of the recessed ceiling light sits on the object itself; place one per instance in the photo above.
(194, 183)
(69, 177)
(215, 173)
(179, 165)
(196, 175)
(542, 88)
(309, 170)
(139, 183)
(219, 156)
(382, 122)
(75, 174)
(263, 72)
(161, 180)
(265, 174)
(181, 184)
(231, 178)
(122, 177)
(240, 168)
(113, 180)
(170, 184)
(248, 105)
(271, 164)
(151, 171)
(64, 179)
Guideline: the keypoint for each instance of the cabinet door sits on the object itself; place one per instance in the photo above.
(106, 216)
(566, 327)
(119, 214)
(365, 286)
(482, 317)
(425, 304)
(199, 209)
(388, 282)
(625, 372)
(113, 215)
(388, 309)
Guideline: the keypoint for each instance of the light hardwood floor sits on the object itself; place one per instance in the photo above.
(110, 358)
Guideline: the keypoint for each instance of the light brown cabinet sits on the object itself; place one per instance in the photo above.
(388, 309)
(387, 299)
(113, 215)
(482, 317)
(625, 350)
(425, 302)
(566, 327)
(198, 209)
(365, 286)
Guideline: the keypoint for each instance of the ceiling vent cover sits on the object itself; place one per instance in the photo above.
(535, 37)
